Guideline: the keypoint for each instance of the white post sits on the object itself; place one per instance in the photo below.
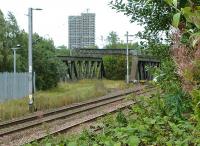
(30, 67)
(30, 64)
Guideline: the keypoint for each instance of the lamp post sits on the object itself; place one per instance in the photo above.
(127, 54)
(14, 56)
(30, 65)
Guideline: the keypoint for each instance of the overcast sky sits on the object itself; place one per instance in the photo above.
(52, 21)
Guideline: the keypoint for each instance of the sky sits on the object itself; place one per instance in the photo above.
(52, 21)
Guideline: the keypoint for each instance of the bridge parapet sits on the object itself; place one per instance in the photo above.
(88, 63)
(103, 52)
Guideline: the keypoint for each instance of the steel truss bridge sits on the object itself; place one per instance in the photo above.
(83, 67)
(88, 63)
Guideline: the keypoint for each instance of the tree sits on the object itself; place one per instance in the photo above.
(62, 50)
(112, 38)
(2, 32)
(49, 69)
(22, 53)
(47, 66)
(156, 17)
(9, 33)
(115, 66)
(114, 42)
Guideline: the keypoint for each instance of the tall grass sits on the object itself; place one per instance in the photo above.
(64, 94)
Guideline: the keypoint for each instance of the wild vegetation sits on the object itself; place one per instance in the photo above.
(172, 33)
(172, 118)
(145, 123)
(178, 73)
(114, 42)
(115, 66)
(47, 67)
(63, 94)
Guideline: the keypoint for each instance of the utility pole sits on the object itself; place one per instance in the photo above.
(30, 64)
(127, 57)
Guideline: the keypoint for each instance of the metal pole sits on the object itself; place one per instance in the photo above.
(127, 62)
(30, 67)
(14, 65)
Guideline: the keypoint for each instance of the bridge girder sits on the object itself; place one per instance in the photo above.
(83, 67)
(89, 63)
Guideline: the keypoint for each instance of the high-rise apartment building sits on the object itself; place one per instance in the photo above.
(81, 31)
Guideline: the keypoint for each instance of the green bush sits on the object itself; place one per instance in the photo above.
(115, 67)
(47, 66)
(144, 124)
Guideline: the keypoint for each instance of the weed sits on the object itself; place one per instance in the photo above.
(148, 126)
(63, 94)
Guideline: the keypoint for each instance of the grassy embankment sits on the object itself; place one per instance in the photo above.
(64, 94)
(145, 123)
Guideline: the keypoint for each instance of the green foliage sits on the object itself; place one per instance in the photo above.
(192, 15)
(115, 67)
(141, 12)
(113, 39)
(63, 94)
(8, 35)
(154, 15)
(45, 64)
(115, 43)
(157, 17)
(156, 48)
(187, 18)
(62, 50)
(121, 119)
(196, 101)
(168, 80)
(189, 27)
(145, 125)
(176, 20)
(195, 93)
(47, 67)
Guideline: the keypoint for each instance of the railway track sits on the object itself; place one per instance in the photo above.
(12, 127)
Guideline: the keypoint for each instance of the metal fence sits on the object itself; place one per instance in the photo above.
(14, 85)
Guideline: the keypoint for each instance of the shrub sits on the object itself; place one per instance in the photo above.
(143, 124)
(115, 67)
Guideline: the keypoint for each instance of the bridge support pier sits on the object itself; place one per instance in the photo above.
(139, 70)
